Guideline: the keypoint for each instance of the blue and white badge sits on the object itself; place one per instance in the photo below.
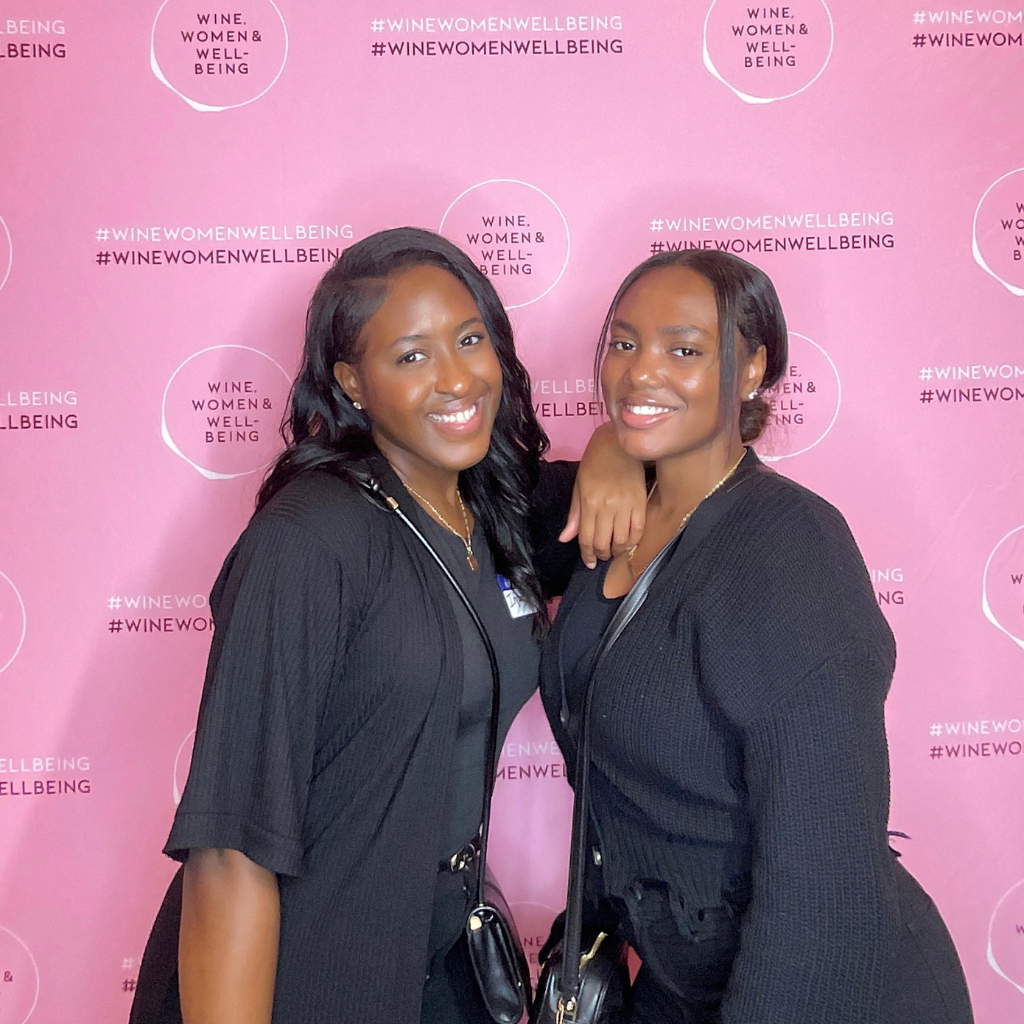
(517, 607)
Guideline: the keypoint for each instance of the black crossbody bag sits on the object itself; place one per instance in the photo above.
(495, 949)
(592, 986)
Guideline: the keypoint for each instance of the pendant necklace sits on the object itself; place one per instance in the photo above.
(632, 551)
(467, 539)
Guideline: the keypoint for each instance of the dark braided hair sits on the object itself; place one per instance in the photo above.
(324, 431)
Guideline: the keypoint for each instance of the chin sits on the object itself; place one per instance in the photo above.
(464, 457)
(639, 445)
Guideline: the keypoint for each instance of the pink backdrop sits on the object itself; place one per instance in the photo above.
(174, 178)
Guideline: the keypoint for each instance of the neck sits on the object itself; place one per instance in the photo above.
(685, 479)
(435, 483)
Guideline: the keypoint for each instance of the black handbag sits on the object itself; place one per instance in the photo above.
(586, 976)
(495, 949)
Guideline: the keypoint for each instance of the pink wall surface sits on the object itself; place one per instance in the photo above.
(168, 200)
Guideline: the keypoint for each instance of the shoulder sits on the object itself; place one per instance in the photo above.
(322, 507)
(780, 526)
(316, 530)
(772, 491)
(781, 587)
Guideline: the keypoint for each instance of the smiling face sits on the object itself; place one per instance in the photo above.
(428, 377)
(661, 375)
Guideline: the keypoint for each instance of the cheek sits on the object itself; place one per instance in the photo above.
(699, 385)
(394, 394)
(611, 375)
(488, 368)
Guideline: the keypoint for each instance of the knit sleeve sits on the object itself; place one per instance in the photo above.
(277, 608)
(549, 509)
(821, 925)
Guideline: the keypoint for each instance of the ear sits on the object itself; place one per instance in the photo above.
(753, 372)
(346, 376)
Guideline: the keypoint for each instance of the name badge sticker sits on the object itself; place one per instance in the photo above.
(517, 607)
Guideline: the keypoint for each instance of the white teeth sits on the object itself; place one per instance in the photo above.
(456, 417)
(647, 410)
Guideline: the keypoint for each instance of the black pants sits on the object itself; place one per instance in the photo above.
(683, 978)
(450, 993)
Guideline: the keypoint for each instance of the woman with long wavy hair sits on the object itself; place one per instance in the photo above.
(335, 791)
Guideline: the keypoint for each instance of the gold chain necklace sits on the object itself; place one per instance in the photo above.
(467, 539)
(632, 551)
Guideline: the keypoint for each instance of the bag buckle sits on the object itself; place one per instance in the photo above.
(461, 859)
(592, 952)
(566, 1011)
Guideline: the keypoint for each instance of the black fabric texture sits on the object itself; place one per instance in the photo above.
(451, 994)
(324, 748)
(518, 660)
(739, 751)
(554, 561)
(591, 615)
(156, 998)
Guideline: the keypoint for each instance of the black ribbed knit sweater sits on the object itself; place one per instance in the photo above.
(324, 749)
(739, 747)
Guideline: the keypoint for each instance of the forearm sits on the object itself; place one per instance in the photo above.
(823, 918)
(609, 506)
(227, 947)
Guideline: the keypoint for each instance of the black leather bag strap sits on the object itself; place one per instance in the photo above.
(704, 519)
(572, 942)
(373, 489)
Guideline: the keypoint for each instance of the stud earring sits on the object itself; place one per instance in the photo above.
(752, 395)
(356, 405)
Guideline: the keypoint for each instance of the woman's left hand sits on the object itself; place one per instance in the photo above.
(609, 500)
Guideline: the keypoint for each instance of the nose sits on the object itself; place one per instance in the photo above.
(453, 375)
(644, 368)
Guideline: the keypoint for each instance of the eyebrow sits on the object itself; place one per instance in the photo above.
(673, 330)
(423, 337)
(678, 329)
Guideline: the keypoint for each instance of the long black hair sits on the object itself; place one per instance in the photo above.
(323, 430)
(748, 303)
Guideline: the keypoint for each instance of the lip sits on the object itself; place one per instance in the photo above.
(458, 418)
(642, 413)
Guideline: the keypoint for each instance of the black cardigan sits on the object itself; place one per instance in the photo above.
(740, 751)
(333, 626)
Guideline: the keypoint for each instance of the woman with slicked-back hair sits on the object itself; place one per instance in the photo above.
(738, 767)
(330, 822)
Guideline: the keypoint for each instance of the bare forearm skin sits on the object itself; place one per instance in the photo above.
(227, 948)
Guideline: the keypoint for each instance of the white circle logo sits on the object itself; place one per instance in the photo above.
(6, 253)
(1002, 586)
(766, 54)
(1005, 940)
(805, 403)
(12, 621)
(218, 59)
(516, 235)
(182, 763)
(221, 410)
(997, 240)
(19, 978)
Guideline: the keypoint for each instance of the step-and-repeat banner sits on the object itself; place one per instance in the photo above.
(175, 177)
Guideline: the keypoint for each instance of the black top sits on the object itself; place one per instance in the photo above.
(592, 613)
(324, 748)
(739, 747)
(518, 657)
